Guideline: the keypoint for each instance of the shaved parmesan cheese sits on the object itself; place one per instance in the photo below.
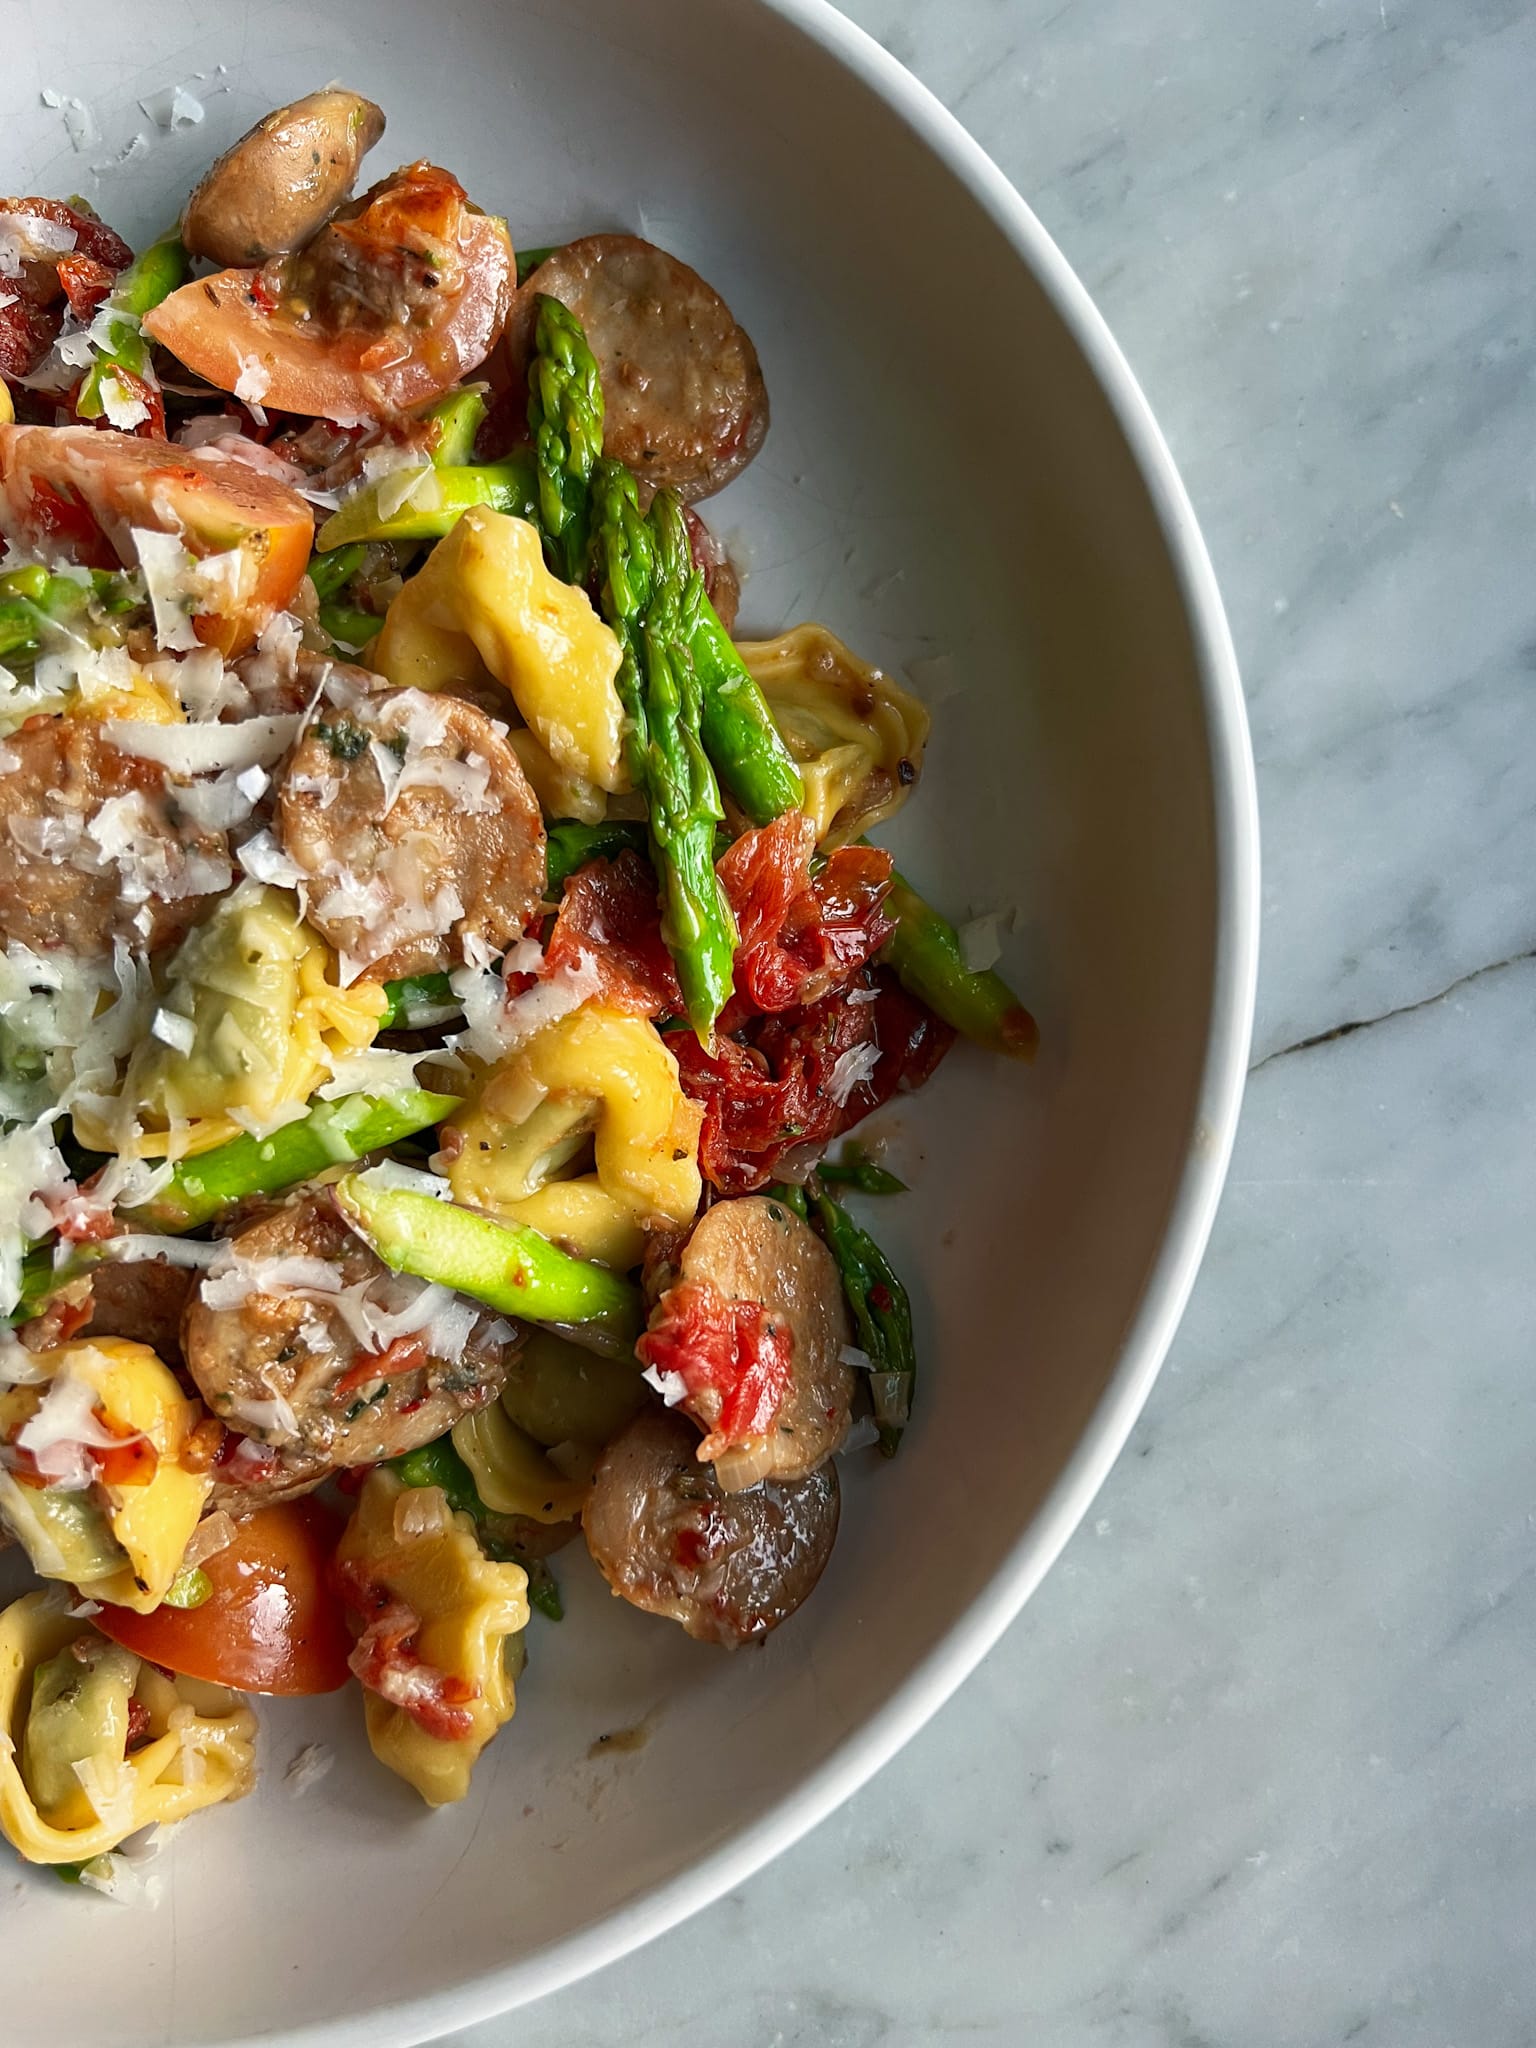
(116, 1878)
(264, 861)
(173, 1030)
(273, 1421)
(232, 1281)
(863, 1435)
(253, 382)
(308, 1767)
(63, 1431)
(980, 944)
(202, 749)
(31, 1168)
(174, 1251)
(166, 567)
(671, 1386)
(851, 1070)
(123, 406)
(404, 487)
(859, 1361)
(373, 1071)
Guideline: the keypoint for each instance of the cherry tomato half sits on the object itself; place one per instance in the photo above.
(271, 1623)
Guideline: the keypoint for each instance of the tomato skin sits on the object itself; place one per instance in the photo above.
(271, 1624)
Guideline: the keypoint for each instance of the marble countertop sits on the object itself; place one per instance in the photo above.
(1255, 1768)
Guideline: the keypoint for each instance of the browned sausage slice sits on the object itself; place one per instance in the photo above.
(281, 182)
(92, 846)
(729, 1567)
(684, 395)
(416, 832)
(754, 1250)
(305, 1341)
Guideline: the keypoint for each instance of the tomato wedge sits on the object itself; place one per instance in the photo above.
(85, 490)
(271, 1623)
(402, 294)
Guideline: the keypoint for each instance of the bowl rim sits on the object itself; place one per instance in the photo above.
(955, 1654)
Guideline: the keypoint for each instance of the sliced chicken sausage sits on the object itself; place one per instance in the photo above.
(684, 394)
(281, 182)
(304, 1341)
(728, 1567)
(755, 1287)
(93, 845)
(415, 829)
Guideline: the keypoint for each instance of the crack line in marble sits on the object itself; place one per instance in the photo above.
(1355, 1024)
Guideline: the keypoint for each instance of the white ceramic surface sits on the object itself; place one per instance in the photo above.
(961, 474)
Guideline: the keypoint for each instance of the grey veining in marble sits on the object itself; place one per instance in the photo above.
(1257, 1766)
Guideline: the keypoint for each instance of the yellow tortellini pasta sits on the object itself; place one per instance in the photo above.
(557, 1392)
(596, 1074)
(405, 1546)
(254, 991)
(68, 1789)
(484, 605)
(512, 1474)
(119, 1542)
(857, 736)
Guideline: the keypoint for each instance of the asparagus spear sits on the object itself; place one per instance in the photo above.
(507, 1266)
(925, 951)
(882, 1316)
(149, 278)
(740, 737)
(459, 417)
(859, 1172)
(330, 573)
(565, 424)
(438, 503)
(331, 1134)
(349, 627)
(565, 417)
(32, 599)
(649, 592)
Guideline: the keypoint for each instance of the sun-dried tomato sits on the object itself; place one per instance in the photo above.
(774, 1088)
(86, 283)
(801, 936)
(733, 1357)
(610, 914)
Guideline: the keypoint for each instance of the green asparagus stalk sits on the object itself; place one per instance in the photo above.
(349, 627)
(740, 737)
(331, 573)
(331, 1134)
(565, 424)
(417, 1001)
(439, 1464)
(507, 1266)
(882, 1316)
(649, 592)
(150, 277)
(459, 417)
(32, 600)
(858, 1171)
(925, 951)
(438, 503)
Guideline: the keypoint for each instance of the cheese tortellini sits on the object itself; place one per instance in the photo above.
(251, 1019)
(71, 1704)
(105, 1425)
(440, 1646)
(857, 736)
(533, 1453)
(599, 1075)
(484, 604)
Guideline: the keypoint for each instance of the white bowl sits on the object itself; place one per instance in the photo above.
(961, 470)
